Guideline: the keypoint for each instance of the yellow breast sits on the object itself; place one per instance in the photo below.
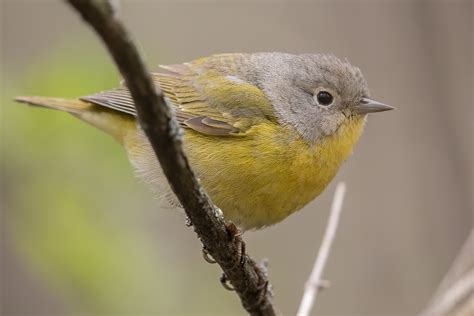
(261, 179)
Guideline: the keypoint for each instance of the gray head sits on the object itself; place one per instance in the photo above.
(313, 93)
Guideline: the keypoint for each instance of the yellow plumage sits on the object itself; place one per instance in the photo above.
(259, 158)
(272, 173)
(260, 179)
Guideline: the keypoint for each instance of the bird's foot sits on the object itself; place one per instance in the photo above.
(236, 235)
(207, 256)
(225, 283)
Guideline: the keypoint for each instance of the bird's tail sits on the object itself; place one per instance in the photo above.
(74, 106)
(112, 122)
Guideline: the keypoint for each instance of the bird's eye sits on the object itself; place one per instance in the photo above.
(324, 98)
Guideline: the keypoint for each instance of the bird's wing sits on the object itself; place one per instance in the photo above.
(204, 100)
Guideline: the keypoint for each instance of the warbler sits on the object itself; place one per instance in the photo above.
(265, 133)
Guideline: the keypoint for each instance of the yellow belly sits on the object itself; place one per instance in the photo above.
(259, 180)
(256, 180)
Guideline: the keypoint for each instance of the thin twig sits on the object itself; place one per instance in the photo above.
(315, 282)
(164, 134)
(455, 294)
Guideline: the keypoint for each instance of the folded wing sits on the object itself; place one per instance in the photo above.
(203, 98)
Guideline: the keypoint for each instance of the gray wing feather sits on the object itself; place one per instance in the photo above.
(117, 99)
(191, 110)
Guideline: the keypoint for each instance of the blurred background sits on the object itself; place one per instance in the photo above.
(81, 236)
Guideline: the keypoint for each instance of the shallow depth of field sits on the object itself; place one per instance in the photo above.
(80, 235)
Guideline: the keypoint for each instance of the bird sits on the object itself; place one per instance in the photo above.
(265, 133)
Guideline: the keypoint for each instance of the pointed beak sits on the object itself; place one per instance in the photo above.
(367, 105)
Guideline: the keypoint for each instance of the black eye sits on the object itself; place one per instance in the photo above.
(324, 98)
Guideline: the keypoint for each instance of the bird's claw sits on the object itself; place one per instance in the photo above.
(225, 284)
(207, 256)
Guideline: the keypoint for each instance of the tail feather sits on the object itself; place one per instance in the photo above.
(112, 122)
(68, 105)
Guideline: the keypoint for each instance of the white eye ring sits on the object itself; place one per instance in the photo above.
(324, 97)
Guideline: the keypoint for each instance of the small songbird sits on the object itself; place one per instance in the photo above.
(265, 133)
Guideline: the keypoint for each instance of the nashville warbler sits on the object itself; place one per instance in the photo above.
(265, 133)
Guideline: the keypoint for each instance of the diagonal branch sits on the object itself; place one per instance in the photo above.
(315, 282)
(164, 134)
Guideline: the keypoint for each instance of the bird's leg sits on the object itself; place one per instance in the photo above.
(236, 235)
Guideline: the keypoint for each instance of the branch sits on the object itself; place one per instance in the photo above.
(455, 294)
(164, 134)
(315, 282)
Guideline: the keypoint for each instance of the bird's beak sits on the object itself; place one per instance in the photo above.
(367, 105)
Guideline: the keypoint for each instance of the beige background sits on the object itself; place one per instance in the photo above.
(410, 181)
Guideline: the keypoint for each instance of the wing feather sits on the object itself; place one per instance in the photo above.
(208, 101)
